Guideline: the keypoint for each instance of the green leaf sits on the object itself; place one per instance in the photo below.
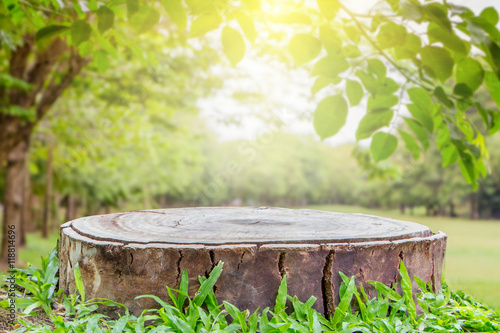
(493, 85)
(406, 286)
(281, 297)
(101, 60)
(105, 19)
(145, 19)
(410, 144)
(176, 12)
(443, 137)
(323, 81)
(204, 24)
(391, 35)
(469, 72)
(79, 282)
(132, 7)
(437, 33)
(437, 61)
(490, 14)
(442, 97)
(80, 32)
(330, 116)
(233, 45)
(330, 66)
(383, 146)
(247, 25)
(342, 309)
(351, 51)
(353, 33)
(49, 31)
(207, 285)
(378, 102)
(373, 121)
(331, 41)
(419, 132)
(422, 107)
(410, 48)
(449, 155)
(198, 7)
(377, 68)
(354, 92)
(304, 48)
(328, 8)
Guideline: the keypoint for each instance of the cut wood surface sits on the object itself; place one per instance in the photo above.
(128, 254)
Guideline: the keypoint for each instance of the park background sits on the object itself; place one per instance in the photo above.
(193, 131)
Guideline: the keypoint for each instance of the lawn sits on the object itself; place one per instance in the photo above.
(473, 252)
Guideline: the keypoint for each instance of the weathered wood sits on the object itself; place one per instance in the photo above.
(128, 254)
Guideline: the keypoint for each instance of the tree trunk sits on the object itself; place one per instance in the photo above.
(13, 198)
(124, 255)
(47, 197)
(402, 208)
(70, 208)
(26, 210)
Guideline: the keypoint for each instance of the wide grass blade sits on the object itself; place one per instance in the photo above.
(208, 284)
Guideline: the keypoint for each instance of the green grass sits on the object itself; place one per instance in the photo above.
(36, 248)
(473, 252)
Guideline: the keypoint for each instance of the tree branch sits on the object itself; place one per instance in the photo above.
(381, 52)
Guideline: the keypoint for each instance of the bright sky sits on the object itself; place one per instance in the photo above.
(287, 94)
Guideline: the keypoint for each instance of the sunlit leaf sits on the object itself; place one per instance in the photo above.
(323, 81)
(421, 107)
(105, 19)
(376, 67)
(391, 35)
(247, 25)
(373, 121)
(383, 146)
(419, 131)
(490, 14)
(328, 8)
(145, 19)
(233, 45)
(410, 48)
(132, 7)
(330, 116)
(330, 66)
(470, 72)
(304, 48)
(493, 85)
(176, 12)
(80, 32)
(447, 38)
(377, 102)
(354, 92)
(437, 62)
(204, 24)
(410, 144)
(353, 33)
(101, 59)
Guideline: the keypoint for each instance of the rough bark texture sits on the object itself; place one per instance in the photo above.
(14, 186)
(115, 267)
(47, 198)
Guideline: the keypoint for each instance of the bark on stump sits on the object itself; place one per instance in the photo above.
(128, 254)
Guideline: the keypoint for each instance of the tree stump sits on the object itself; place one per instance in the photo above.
(128, 254)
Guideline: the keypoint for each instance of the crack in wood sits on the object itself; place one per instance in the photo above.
(281, 264)
(327, 286)
(241, 260)
(179, 273)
